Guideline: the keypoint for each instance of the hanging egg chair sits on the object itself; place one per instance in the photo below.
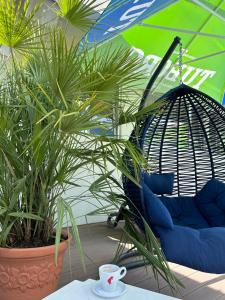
(182, 197)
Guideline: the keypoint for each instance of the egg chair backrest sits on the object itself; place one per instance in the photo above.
(187, 137)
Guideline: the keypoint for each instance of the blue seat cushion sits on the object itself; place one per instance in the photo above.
(201, 249)
(158, 214)
(184, 211)
(159, 183)
(210, 200)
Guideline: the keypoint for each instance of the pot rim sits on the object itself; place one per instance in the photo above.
(23, 253)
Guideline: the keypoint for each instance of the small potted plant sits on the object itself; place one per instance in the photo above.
(52, 94)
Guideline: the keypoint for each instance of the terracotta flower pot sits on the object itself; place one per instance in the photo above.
(31, 273)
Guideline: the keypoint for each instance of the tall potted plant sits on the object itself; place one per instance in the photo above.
(53, 91)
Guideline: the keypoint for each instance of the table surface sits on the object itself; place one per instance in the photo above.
(78, 290)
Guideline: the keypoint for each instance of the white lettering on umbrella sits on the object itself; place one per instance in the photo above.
(197, 72)
(188, 72)
(131, 15)
(205, 74)
(190, 75)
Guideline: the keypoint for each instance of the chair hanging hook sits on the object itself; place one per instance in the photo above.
(180, 61)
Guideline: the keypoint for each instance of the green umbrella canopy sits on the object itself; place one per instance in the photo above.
(200, 24)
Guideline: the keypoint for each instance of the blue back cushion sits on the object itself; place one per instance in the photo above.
(159, 183)
(156, 211)
(211, 202)
(184, 211)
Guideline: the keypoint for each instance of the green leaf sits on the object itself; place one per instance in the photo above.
(19, 30)
(17, 189)
(59, 226)
(75, 232)
(80, 13)
(23, 215)
(99, 182)
(72, 183)
(3, 210)
(4, 233)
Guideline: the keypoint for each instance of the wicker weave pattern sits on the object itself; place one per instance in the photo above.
(186, 137)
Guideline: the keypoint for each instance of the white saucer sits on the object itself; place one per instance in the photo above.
(121, 289)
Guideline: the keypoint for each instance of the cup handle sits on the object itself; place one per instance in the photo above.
(122, 272)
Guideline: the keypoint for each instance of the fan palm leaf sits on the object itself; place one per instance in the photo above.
(79, 13)
(19, 28)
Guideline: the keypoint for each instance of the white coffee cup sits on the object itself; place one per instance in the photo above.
(110, 275)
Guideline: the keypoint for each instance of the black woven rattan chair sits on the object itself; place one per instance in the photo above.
(185, 137)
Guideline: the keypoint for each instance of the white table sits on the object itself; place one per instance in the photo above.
(78, 290)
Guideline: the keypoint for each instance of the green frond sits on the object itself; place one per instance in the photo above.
(79, 13)
(19, 29)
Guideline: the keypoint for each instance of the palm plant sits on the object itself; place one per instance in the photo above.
(51, 95)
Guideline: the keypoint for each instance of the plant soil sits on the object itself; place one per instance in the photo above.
(35, 243)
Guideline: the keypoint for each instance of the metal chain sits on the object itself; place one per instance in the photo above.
(180, 62)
